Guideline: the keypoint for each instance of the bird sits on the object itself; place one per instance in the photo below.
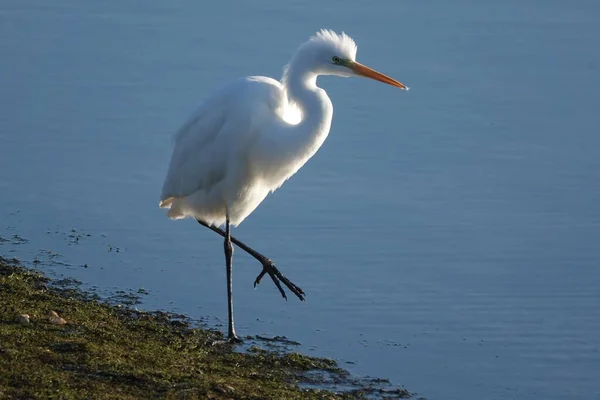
(248, 138)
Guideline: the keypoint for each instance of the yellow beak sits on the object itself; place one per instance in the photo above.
(367, 72)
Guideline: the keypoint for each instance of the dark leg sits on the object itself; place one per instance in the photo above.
(268, 265)
(231, 336)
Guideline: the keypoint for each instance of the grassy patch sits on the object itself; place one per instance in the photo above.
(110, 352)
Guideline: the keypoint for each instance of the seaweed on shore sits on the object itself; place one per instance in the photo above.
(104, 351)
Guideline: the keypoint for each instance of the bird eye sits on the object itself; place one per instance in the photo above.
(335, 59)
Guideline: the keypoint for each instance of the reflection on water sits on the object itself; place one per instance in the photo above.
(446, 237)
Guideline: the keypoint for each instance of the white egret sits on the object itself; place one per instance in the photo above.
(249, 138)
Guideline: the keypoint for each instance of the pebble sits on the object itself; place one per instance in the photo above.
(23, 319)
(56, 319)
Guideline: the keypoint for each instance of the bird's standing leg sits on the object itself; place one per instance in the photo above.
(231, 336)
(268, 265)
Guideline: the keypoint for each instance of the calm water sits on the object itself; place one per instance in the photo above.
(448, 238)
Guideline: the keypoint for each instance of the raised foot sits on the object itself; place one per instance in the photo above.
(278, 277)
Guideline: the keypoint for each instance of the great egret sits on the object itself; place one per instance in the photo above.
(249, 138)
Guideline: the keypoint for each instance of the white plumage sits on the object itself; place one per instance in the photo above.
(252, 135)
(242, 144)
(227, 155)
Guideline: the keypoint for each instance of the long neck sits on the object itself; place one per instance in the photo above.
(305, 138)
(315, 106)
(284, 149)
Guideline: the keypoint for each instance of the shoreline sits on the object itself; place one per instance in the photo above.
(112, 351)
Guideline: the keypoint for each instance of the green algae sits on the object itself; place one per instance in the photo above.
(105, 351)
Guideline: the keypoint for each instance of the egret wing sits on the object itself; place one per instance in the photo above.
(213, 139)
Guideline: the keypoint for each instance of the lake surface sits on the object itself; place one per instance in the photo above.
(448, 238)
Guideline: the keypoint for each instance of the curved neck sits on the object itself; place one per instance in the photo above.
(300, 85)
(288, 146)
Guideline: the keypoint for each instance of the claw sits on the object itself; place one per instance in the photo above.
(230, 340)
(276, 277)
(234, 340)
(260, 276)
(276, 281)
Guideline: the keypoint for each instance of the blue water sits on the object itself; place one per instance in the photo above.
(447, 238)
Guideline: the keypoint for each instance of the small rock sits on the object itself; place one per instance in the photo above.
(23, 319)
(223, 389)
(229, 388)
(55, 319)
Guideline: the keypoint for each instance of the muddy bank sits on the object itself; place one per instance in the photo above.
(61, 342)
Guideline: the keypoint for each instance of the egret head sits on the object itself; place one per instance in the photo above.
(329, 53)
